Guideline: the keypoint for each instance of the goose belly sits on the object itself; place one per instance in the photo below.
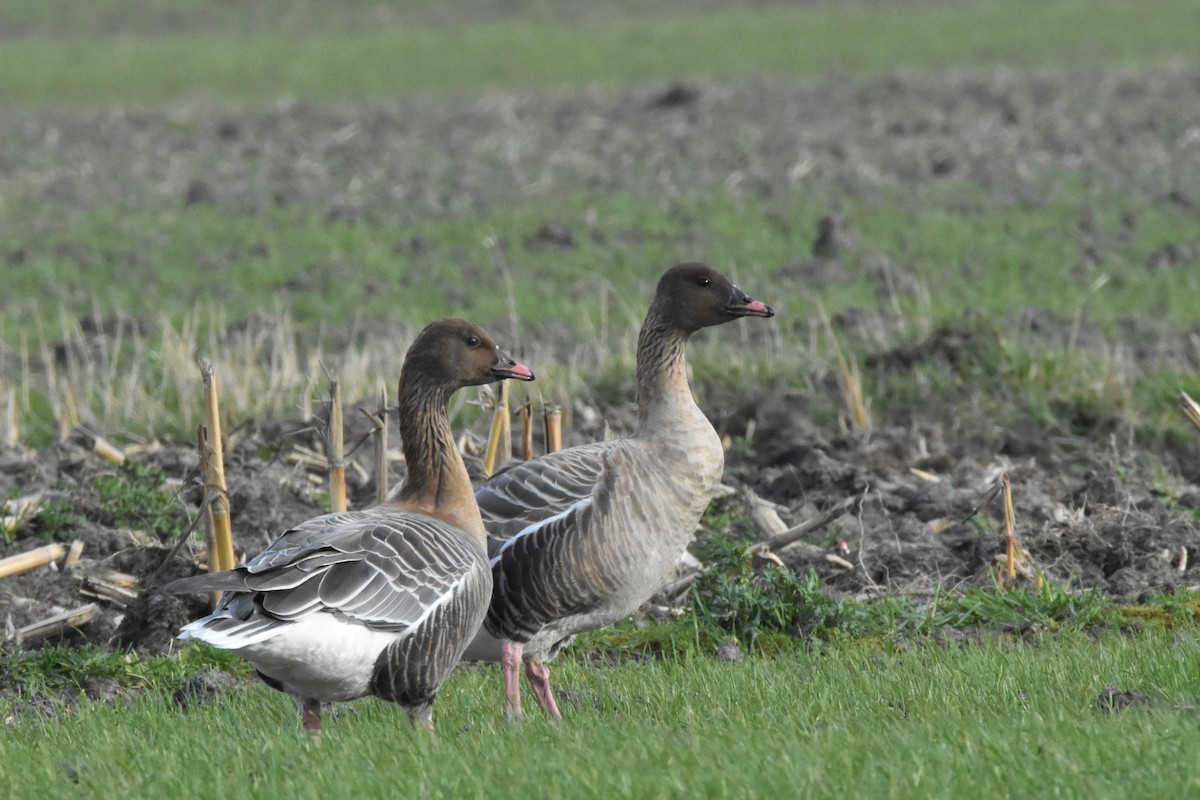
(320, 656)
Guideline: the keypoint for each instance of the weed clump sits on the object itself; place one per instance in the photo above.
(735, 597)
(1165, 611)
(762, 604)
(61, 669)
(1050, 606)
(57, 518)
(134, 497)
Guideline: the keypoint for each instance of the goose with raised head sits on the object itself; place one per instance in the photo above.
(582, 537)
(381, 601)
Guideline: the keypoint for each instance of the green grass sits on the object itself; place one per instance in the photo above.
(848, 720)
(1071, 242)
(870, 705)
(997, 260)
(386, 56)
(58, 669)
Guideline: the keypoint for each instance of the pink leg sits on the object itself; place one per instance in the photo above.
(510, 667)
(425, 718)
(539, 680)
(310, 718)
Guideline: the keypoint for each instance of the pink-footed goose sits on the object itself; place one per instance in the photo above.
(582, 537)
(381, 601)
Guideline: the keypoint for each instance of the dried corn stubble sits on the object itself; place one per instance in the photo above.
(336, 444)
(527, 430)
(552, 418)
(379, 429)
(499, 444)
(212, 454)
(31, 559)
(858, 406)
(1190, 408)
(1016, 562)
(16, 512)
(58, 624)
(10, 432)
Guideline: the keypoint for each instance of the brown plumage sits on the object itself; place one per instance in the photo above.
(383, 601)
(583, 537)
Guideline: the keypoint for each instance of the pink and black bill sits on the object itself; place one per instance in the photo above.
(742, 306)
(507, 367)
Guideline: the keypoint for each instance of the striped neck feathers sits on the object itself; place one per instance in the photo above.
(662, 382)
(437, 483)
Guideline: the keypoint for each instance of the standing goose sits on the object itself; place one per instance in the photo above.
(582, 537)
(382, 601)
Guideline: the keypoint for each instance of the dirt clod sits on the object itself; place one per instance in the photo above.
(204, 688)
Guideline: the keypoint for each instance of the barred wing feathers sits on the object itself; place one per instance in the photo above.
(534, 491)
(387, 573)
(556, 564)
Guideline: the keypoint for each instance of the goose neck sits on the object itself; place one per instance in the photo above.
(662, 382)
(437, 481)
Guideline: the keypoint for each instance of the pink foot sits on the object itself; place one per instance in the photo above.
(539, 680)
(423, 717)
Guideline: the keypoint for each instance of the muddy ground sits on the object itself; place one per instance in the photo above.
(1094, 507)
(1092, 511)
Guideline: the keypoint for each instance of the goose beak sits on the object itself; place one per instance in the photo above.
(742, 306)
(506, 367)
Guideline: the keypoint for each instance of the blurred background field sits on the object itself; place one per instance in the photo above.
(154, 50)
(354, 168)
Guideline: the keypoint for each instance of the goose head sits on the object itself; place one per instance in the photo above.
(694, 296)
(455, 353)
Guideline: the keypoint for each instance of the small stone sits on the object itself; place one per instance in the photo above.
(728, 652)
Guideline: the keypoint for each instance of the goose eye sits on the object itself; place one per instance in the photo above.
(704, 282)
(473, 341)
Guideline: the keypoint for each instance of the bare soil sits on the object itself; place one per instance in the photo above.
(1003, 130)
(1092, 512)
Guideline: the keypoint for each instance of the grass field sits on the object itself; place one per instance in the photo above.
(1007, 252)
(317, 51)
(854, 720)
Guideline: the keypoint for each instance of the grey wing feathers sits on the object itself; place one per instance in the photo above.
(535, 575)
(540, 489)
(387, 572)
(387, 576)
(554, 566)
(229, 581)
(291, 541)
(283, 550)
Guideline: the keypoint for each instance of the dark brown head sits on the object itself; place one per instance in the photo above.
(453, 353)
(695, 296)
